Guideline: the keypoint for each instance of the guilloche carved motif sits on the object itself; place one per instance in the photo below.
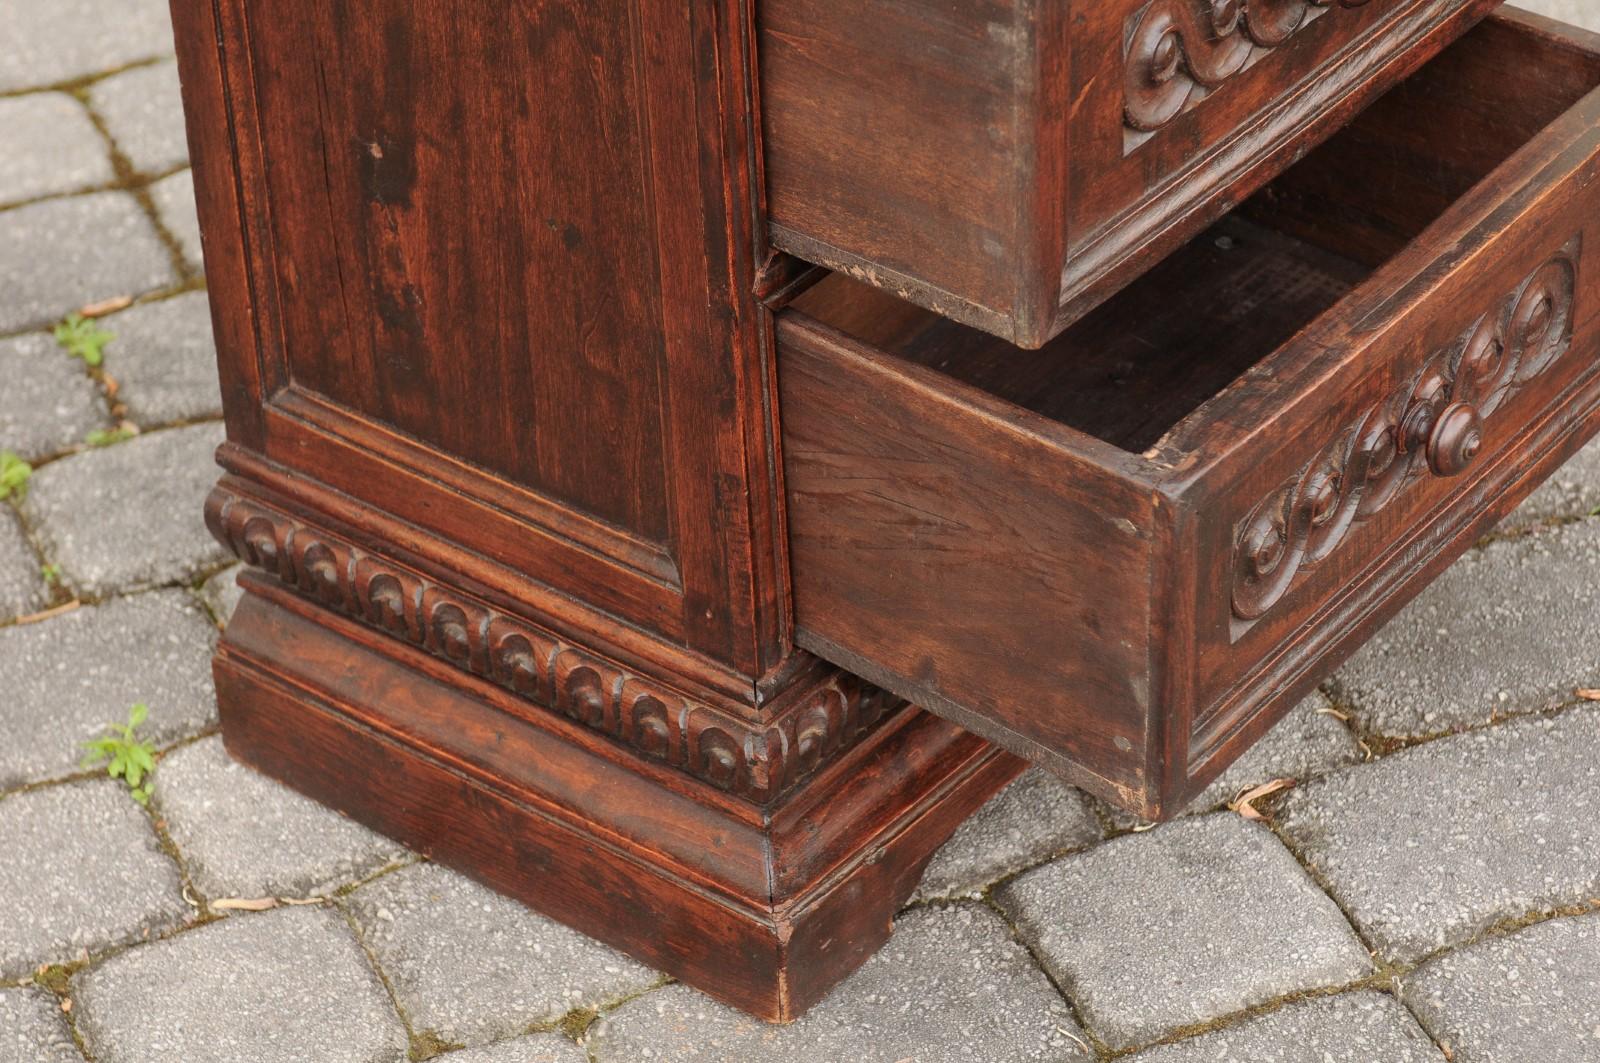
(757, 762)
(1433, 426)
(1178, 50)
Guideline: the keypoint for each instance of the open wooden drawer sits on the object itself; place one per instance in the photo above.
(1125, 555)
(1012, 163)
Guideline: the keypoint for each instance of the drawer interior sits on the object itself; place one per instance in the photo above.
(1134, 370)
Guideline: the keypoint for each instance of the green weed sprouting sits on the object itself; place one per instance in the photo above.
(83, 338)
(125, 756)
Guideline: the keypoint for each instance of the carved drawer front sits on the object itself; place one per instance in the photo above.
(1011, 163)
(1125, 556)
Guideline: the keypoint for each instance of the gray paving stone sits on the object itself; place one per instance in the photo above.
(1350, 1028)
(221, 593)
(950, 985)
(67, 678)
(22, 588)
(50, 41)
(64, 253)
(1033, 819)
(129, 515)
(174, 200)
(535, 1048)
(50, 146)
(32, 1029)
(1359, 1027)
(1534, 995)
(1184, 924)
(1574, 491)
(1510, 627)
(143, 111)
(1429, 846)
(83, 870)
(165, 360)
(1305, 744)
(48, 403)
(286, 986)
(244, 835)
(473, 966)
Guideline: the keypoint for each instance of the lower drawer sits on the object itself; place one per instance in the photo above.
(1125, 555)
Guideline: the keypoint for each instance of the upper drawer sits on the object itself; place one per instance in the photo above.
(1122, 556)
(1010, 163)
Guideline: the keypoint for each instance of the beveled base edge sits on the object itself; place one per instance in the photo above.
(765, 909)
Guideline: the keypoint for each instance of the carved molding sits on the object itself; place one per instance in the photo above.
(1433, 426)
(1180, 50)
(757, 762)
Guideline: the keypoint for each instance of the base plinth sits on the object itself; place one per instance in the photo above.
(763, 906)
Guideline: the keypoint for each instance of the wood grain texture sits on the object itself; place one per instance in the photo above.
(758, 910)
(497, 306)
(502, 463)
(978, 159)
(1287, 469)
(820, 715)
(928, 530)
(503, 412)
(1180, 54)
(1435, 424)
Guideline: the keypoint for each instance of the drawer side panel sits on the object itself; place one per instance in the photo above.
(969, 560)
(893, 144)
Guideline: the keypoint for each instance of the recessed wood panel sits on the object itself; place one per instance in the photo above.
(462, 212)
(484, 267)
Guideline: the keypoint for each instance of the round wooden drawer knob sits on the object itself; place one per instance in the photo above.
(1456, 438)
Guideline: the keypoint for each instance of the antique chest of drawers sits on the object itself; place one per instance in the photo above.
(688, 457)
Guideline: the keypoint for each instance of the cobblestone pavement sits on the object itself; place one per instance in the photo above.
(1427, 890)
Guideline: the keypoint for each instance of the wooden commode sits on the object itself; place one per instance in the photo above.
(690, 456)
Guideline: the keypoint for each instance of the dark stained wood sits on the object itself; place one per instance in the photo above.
(754, 753)
(765, 916)
(433, 273)
(1011, 163)
(1375, 186)
(505, 351)
(926, 518)
(407, 223)
(1141, 362)
(502, 460)
(1029, 517)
